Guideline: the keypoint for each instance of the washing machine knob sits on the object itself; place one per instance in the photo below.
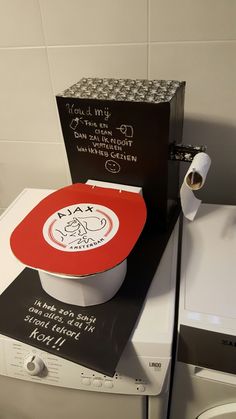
(33, 364)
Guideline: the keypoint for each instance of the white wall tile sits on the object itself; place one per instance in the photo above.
(20, 23)
(209, 70)
(27, 106)
(185, 20)
(33, 165)
(68, 65)
(87, 22)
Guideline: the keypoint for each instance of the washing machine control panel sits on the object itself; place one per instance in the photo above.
(135, 375)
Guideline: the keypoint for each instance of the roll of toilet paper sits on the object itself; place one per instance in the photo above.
(194, 180)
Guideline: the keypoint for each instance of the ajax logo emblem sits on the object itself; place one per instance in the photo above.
(80, 227)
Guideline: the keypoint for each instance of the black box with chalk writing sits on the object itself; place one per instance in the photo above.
(121, 131)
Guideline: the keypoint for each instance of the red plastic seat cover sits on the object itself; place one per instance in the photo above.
(80, 230)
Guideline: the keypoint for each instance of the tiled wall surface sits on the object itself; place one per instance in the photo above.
(46, 45)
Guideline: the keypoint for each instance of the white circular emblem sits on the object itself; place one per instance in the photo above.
(80, 227)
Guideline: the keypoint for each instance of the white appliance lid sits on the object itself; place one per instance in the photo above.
(208, 285)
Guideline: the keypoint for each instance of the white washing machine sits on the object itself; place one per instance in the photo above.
(204, 385)
(140, 387)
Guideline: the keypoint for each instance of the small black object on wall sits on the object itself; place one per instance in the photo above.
(122, 131)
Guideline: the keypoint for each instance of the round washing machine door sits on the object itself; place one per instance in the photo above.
(226, 411)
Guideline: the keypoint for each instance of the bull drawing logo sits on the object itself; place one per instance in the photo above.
(79, 230)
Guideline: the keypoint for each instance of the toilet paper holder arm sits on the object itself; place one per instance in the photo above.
(185, 152)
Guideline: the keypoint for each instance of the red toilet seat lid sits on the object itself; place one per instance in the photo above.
(80, 230)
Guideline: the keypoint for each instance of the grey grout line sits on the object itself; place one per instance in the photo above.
(44, 142)
(215, 41)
